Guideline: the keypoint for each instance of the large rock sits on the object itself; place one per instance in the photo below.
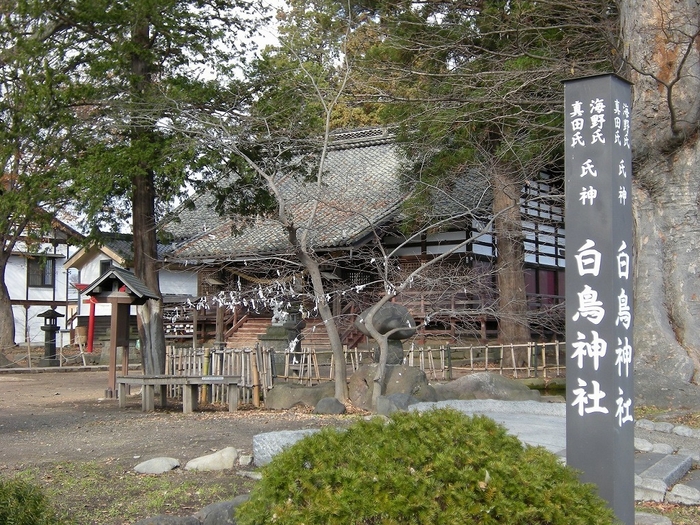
(330, 405)
(387, 405)
(400, 379)
(485, 385)
(268, 444)
(389, 317)
(653, 388)
(285, 395)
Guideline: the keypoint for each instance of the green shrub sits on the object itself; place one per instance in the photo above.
(438, 467)
(22, 503)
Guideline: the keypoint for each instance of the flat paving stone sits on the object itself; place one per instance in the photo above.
(669, 469)
(692, 479)
(645, 460)
(646, 518)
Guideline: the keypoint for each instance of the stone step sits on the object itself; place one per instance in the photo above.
(665, 463)
(666, 477)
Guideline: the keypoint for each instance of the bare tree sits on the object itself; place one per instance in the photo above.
(274, 156)
(285, 134)
(478, 86)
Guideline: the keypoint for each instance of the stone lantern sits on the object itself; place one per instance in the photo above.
(50, 328)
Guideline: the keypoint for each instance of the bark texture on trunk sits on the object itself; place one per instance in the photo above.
(150, 315)
(7, 318)
(513, 325)
(661, 46)
(341, 380)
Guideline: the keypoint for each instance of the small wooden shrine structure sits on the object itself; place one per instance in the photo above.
(122, 289)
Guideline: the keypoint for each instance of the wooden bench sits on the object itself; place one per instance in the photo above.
(190, 389)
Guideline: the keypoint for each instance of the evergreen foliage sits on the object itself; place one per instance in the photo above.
(22, 503)
(36, 123)
(140, 68)
(438, 467)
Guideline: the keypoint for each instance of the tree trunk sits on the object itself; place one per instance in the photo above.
(341, 380)
(7, 318)
(150, 315)
(380, 375)
(662, 48)
(513, 325)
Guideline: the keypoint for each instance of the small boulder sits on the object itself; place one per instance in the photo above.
(644, 424)
(169, 520)
(663, 426)
(646, 489)
(329, 405)
(642, 445)
(684, 495)
(682, 430)
(662, 448)
(646, 518)
(693, 453)
(387, 405)
(245, 460)
(157, 466)
(220, 460)
(222, 513)
(400, 379)
(486, 385)
(283, 396)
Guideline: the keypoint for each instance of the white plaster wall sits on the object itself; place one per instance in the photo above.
(91, 270)
(16, 277)
(16, 280)
(27, 324)
(19, 313)
(30, 317)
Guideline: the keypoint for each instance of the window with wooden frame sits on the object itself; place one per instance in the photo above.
(106, 265)
(40, 272)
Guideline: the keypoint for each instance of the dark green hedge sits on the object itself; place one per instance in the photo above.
(438, 467)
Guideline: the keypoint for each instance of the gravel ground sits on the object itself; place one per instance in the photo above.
(63, 416)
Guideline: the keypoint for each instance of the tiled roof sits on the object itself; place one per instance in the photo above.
(123, 245)
(196, 216)
(470, 193)
(135, 285)
(360, 190)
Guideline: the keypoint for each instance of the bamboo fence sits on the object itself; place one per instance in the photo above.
(259, 366)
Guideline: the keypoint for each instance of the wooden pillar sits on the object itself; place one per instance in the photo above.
(119, 338)
(195, 328)
(220, 325)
